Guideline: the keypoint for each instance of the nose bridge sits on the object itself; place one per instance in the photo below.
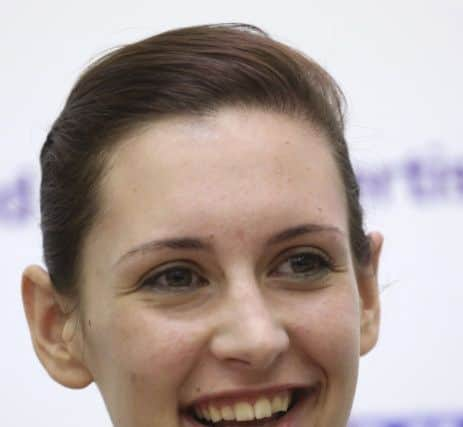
(249, 331)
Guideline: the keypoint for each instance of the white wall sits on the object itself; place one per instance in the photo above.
(400, 65)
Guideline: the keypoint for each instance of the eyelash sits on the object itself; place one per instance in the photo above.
(323, 265)
(148, 282)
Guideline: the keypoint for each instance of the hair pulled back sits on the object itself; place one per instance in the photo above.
(194, 70)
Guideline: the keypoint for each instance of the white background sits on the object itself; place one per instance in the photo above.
(400, 65)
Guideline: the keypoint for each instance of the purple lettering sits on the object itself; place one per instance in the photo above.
(375, 183)
(443, 420)
(16, 200)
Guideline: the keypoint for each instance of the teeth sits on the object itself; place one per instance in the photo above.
(199, 413)
(227, 413)
(277, 404)
(243, 411)
(262, 408)
(280, 402)
(206, 414)
(286, 402)
(215, 414)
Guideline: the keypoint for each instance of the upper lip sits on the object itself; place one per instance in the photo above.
(245, 393)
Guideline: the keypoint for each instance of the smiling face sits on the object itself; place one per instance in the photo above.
(219, 275)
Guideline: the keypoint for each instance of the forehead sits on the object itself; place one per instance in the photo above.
(244, 169)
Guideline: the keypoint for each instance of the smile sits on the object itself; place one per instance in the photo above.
(265, 409)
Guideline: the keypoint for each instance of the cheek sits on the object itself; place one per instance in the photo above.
(149, 347)
(328, 329)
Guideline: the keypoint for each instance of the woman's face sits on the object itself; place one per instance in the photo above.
(219, 277)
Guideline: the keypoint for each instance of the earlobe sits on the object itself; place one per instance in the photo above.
(52, 330)
(369, 296)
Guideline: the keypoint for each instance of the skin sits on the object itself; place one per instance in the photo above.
(233, 179)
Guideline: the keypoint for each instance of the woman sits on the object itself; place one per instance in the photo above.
(203, 236)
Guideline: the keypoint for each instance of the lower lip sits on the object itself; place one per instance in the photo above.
(293, 418)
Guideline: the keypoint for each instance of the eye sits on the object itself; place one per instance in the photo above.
(174, 279)
(303, 265)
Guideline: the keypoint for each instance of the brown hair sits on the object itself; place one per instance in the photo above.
(193, 70)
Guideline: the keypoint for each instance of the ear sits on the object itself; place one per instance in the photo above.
(367, 278)
(54, 333)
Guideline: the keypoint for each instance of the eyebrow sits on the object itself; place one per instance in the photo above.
(198, 244)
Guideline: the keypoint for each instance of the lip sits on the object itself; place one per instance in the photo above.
(293, 418)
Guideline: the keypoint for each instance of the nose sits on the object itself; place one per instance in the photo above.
(249, 334)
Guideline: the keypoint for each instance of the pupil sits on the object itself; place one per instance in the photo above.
(303, 263)
(179, 277)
